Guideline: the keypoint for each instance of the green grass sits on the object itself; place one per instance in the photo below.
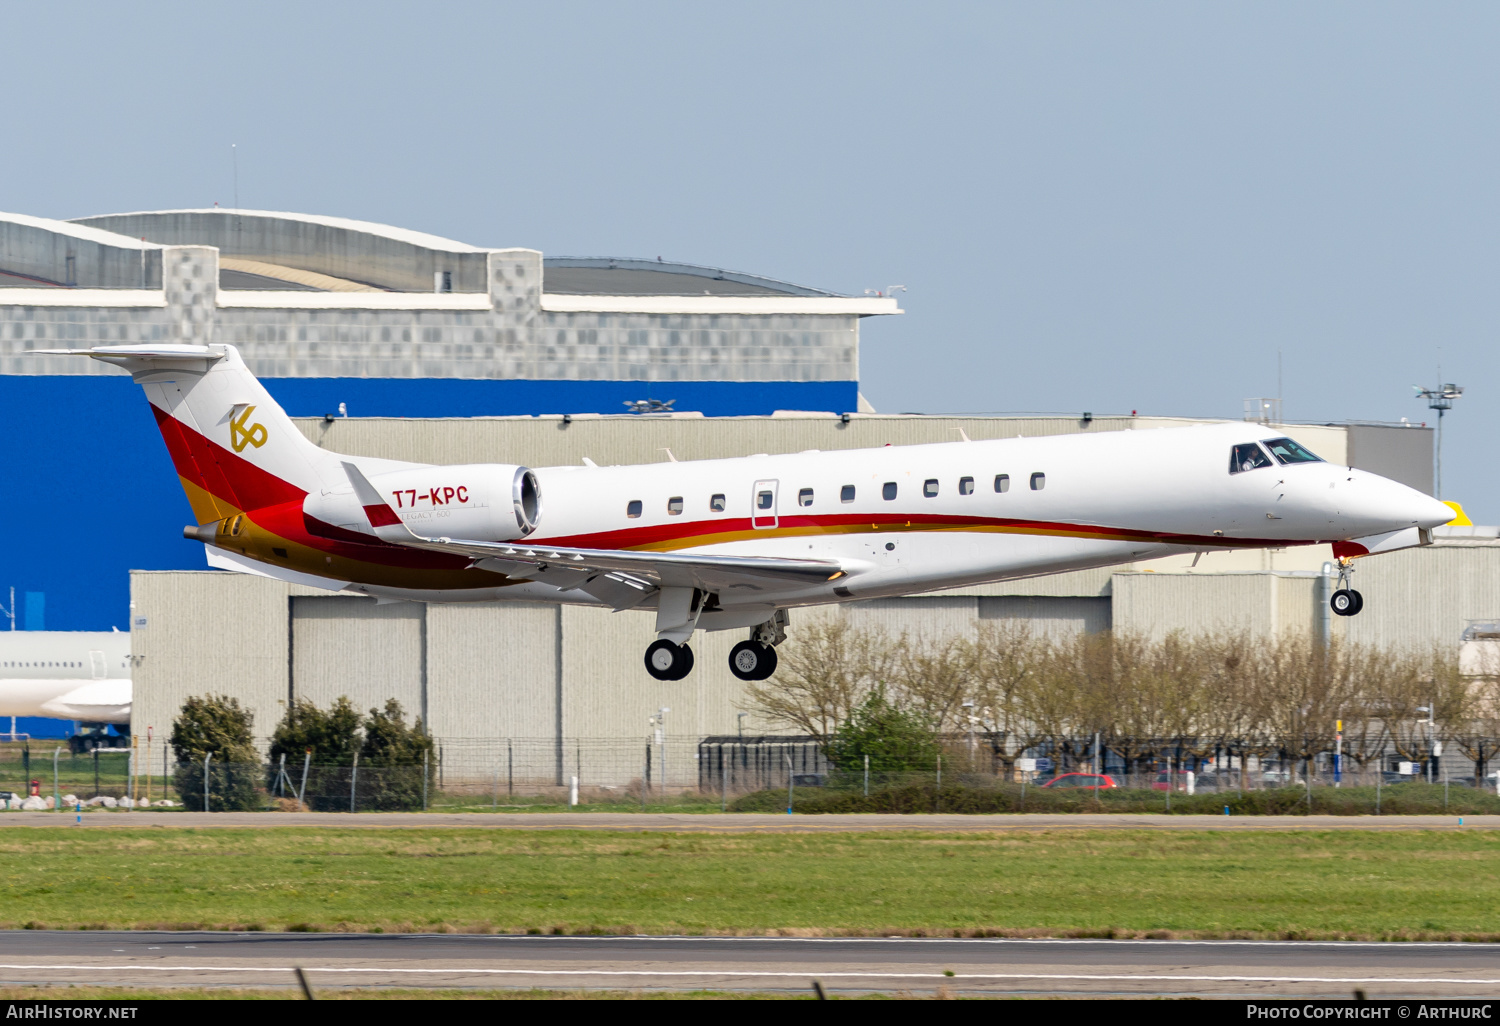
(1414, 799)
(1351, 884)
(66, 992)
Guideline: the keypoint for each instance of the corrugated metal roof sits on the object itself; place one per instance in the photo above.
(619, 276)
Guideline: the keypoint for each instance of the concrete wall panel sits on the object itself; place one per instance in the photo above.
(1049, 616)
(356, 647)
(924, 617)
(196, 633)
(1154, 605)
(1400, 453)
(59, 253)
(1423, 597)
(492, 669)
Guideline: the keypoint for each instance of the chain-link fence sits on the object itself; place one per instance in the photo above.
(688, 771)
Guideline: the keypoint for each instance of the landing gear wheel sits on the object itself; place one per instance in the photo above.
(666, 660)
(1346, 602)
(752, 660)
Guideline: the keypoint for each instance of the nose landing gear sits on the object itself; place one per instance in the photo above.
(1345, 601)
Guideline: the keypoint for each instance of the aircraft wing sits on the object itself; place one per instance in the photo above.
(619, 577)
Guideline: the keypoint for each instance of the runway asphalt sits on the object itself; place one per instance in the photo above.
(996, 967)
(743, 822)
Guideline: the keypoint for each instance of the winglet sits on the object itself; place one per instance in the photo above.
(383, 520)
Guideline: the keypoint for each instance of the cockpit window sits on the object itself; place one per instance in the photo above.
(1247, 457)
(1287, 451)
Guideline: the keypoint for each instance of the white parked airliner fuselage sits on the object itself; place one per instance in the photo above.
(70, 675)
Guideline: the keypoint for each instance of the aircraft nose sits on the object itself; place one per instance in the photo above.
(1390, 506)
(1429, 512)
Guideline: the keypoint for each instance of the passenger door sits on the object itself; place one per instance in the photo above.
(763, 505)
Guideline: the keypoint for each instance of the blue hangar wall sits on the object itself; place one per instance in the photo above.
(92, 494)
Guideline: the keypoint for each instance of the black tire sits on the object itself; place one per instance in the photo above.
(1359, 603)
(665, 660)
(752, 660)
(1344, 602)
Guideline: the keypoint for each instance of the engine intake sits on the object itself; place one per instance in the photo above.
(482, 501)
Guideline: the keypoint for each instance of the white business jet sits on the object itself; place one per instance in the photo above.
(735, 543)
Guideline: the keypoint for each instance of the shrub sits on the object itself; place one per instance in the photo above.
(217, 725)
(391, 760)
(332, 738)
(894, 738)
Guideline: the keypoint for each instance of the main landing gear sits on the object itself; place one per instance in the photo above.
(752, 659)
(1345, 601)
(755, 658)
(667, 660)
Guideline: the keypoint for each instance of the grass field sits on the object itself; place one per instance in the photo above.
(1346, 884)
(70, 993)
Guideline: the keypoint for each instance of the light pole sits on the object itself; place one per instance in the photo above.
(968, 708)
(661, 743)
(1431, 734)
(1441, 400)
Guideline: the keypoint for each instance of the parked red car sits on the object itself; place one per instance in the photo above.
(1090, 781)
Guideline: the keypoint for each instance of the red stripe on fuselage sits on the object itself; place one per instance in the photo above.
(288, 521)
(838, 523)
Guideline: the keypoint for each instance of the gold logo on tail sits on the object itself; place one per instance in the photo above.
(241, 436)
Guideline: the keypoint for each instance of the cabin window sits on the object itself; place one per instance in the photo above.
(674, 506)
(966, 486)
(765, 500)
(930, 488)
(716, 504)
(1248, 456)
(633, 508)
(1038, 482)
(1002, 482)
(804, 497)
(1287, 451)
(888, 491)
(846, 494)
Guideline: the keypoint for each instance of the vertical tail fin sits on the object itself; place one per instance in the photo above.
(234, 447)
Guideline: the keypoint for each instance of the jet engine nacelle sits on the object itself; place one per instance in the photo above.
(479, 501)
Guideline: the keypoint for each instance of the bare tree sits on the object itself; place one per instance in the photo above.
(821, 675)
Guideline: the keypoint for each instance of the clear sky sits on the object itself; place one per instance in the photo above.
(1097, 207)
